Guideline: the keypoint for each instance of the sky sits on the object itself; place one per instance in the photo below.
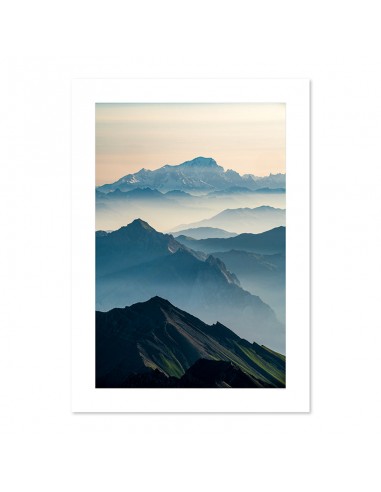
(247, 137)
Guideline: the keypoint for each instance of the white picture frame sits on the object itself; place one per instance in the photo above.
(295, 93)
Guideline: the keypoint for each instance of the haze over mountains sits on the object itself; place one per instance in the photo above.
(156, 344)
(269, 242)
(204, 233)
(194, 190)
(241, 220)
(263, 274)
(258, 260)
(242, 190)
(137, 262)
(164, 300)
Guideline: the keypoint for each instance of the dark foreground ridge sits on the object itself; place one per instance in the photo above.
(203, 374)
(154, 344)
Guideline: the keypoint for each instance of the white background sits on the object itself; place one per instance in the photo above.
(44, 447)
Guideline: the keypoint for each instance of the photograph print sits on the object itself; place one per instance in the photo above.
(190, 245)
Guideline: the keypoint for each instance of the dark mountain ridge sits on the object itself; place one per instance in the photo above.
(131, 245)
(136, 263)
(269, 242)
(204, 373)
(146, 341)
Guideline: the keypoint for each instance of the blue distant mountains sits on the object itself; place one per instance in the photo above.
(240, 220)
(269, 242)
(204, 304)
(204, 233)
(199, 175)
(137, 262)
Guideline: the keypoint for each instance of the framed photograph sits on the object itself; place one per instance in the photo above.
(190, 245)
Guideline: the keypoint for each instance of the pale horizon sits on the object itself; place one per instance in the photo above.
(247, 137)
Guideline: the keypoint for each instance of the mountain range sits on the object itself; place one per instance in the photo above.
(195, 189)
(200, 175)
(263, 274)
(156, 344)
(204, 233)
(258, 260)
(268, 242)
(242, 190)
(242, 220)
(130, 246)
(138, 194)
(136, 263)
(148, 282)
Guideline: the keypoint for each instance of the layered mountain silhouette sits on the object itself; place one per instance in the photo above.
(136, 263)
(195, 189)
(241, 220)
(258, 260)
(242, 190)
(201, 174)
(155, 344)
(269, 242)
(264, 275)
(204, 233)
(178, 194)
(146, 194)
(130, 246)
